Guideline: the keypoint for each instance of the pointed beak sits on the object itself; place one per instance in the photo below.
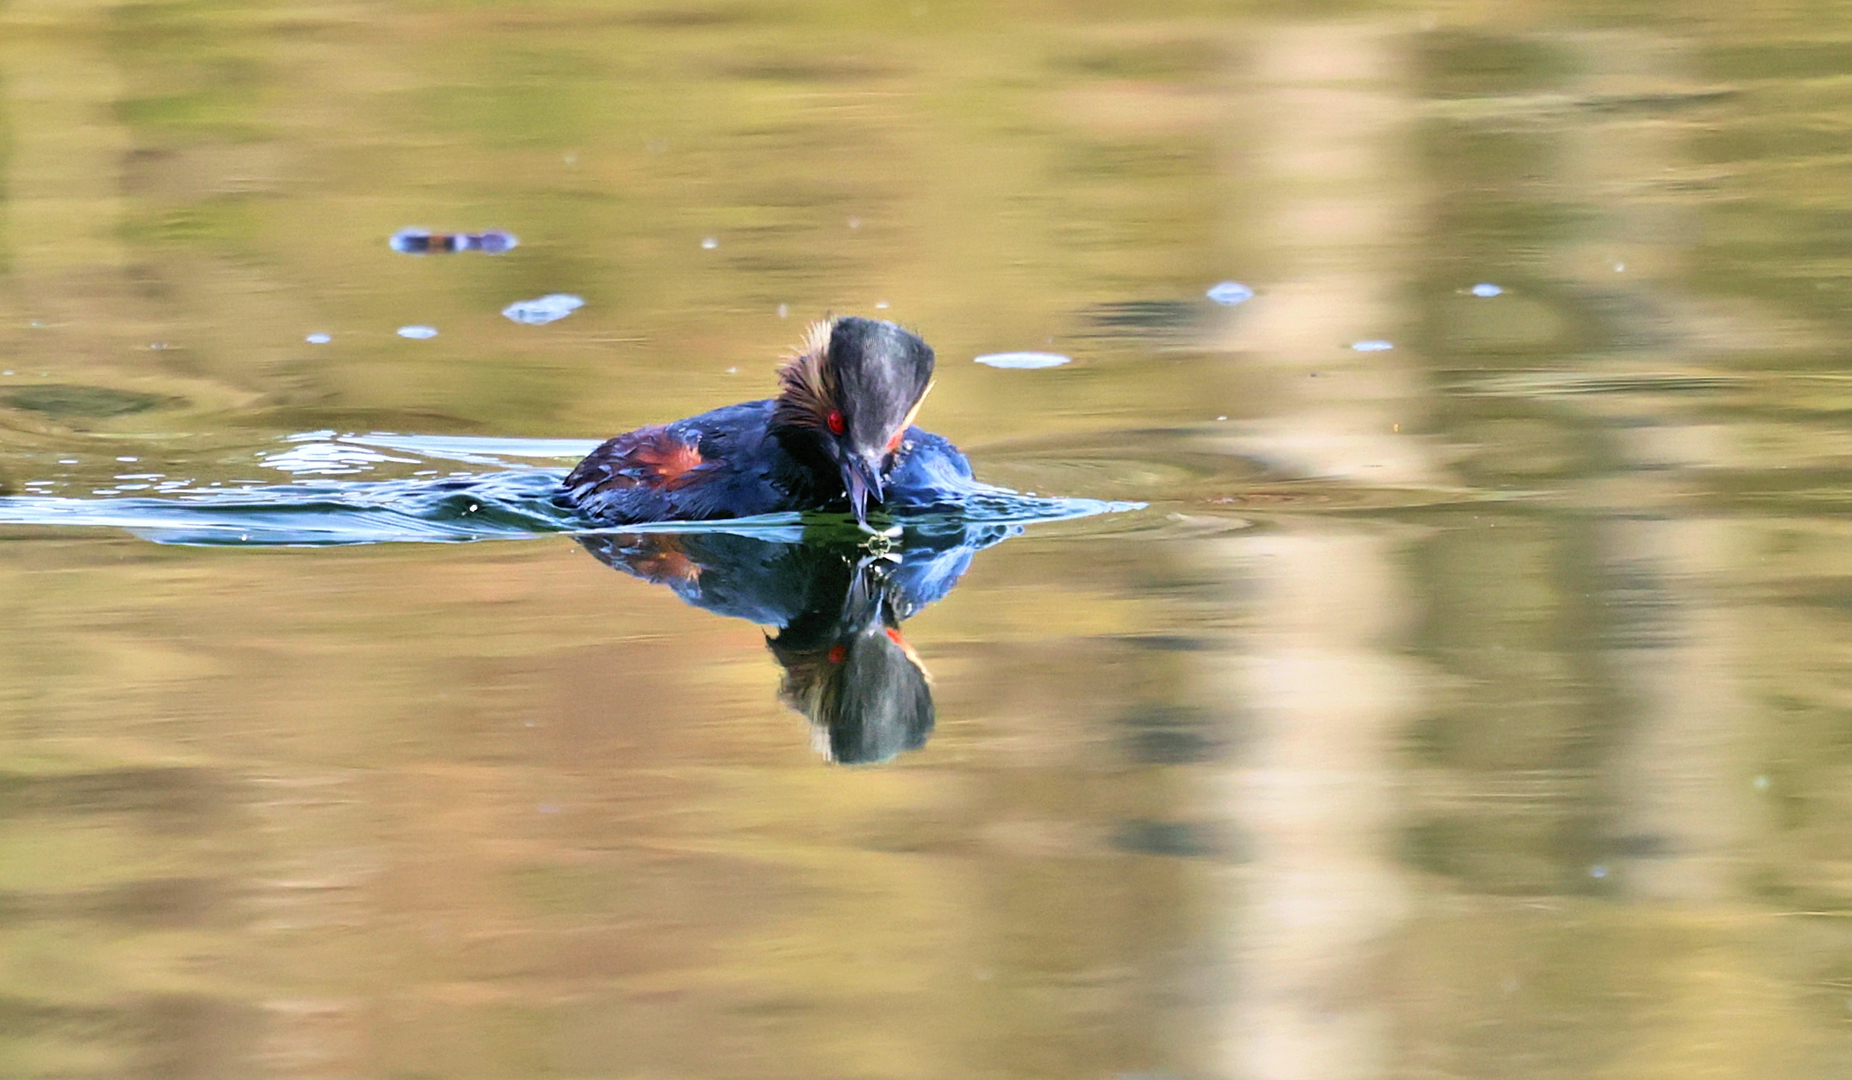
(861, 479)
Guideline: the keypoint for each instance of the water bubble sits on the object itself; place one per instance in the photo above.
(570, 158)
(1761, 783)
(128, 459)
(410, 241)
(1024, 360)
(1620, 268)
(1486, 288)
(549, 308)
(493, 242)
(881, 305)
(1598, 871)
(1372, 346)
(318, 339)
(709, 243)
(418, 333)
(855, 223)
(1230, 293)
(784, 311)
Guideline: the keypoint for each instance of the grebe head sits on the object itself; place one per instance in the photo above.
(857, 385)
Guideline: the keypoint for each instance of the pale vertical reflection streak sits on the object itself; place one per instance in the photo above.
(1684, 812)
(1323, 690)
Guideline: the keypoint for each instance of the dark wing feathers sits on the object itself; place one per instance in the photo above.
(635, 476)
(651, 457)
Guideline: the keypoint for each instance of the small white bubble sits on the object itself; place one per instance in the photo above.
(1620, 268)
(1230, 293)
(67, 461)
(1761, 783)
(1372, 346)
(318, 339)
(570, 158)
(5, 373)
(128, 459)
(418, 333)
(1486, 288)
(1024, 360)
(710, 243)
(1221, 418)
(733, 371)
(784, 311)
(543, 310)
(881, 305)
(1597, 871)
(855, 223)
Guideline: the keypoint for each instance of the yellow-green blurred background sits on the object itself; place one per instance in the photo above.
(1479, 707)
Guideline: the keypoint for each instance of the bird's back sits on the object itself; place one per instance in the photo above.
(730, 463)
(720, 464)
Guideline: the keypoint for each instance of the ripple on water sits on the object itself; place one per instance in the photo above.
(507, 502)
(60, 400)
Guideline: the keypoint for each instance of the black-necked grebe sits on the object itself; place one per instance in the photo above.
(840, 430)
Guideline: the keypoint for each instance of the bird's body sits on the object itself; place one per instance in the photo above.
(839, 433)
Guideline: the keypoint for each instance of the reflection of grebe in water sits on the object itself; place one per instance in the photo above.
(836, 610)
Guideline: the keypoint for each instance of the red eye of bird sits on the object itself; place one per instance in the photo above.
(838, 654)
(834, 420)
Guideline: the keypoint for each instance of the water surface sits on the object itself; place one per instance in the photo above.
(1471, 707)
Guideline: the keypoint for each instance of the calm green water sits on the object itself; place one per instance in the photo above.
(1476, 707)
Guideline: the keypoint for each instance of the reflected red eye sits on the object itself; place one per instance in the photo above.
(838, 654)
(834, 420)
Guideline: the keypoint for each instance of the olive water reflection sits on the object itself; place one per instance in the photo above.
(837, 610)
(1473, 707)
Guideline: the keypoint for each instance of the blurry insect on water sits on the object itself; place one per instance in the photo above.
(419, 241)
